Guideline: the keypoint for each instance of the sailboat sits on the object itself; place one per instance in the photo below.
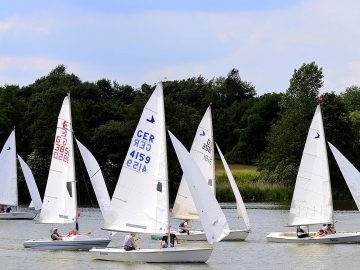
(141, 199)
(8, 182)
(312, 201)
(202, 151)
(60, 203)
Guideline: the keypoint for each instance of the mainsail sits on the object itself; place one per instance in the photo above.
(8, 179)
(312, 200)
(59, 204)
(202, 152)
(141, 198)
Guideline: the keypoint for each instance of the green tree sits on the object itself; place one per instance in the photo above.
(287, 136)
(252, 128)
(351, 97)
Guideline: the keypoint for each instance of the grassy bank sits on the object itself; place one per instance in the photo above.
(251, 188)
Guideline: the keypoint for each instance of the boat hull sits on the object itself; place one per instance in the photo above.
(234, 235)
(17, 215)
(165, 255)
(337, 238)
(78, 242)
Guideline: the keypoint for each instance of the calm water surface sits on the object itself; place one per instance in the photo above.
(255, 253)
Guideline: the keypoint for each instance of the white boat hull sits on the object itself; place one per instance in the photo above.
(77, 242)
(17, 215)
(337, 238)
(234, 235)
(165, 255)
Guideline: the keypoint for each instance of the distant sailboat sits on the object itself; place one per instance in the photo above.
(202, 151)
(60, 203)
(141, 199)
(8, 182)
(312, 200)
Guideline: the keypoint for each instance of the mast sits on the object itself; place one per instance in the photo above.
(73, 159)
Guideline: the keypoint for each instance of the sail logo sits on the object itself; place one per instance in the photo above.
(317, 135)
(151, 120)
(202, 133)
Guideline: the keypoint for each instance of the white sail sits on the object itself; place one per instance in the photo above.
(211, 216)
(31, 184)
(8, 179)
(141, 201)
(31, 204)
(312, 200)
(241, 210)
(350, 173)
(202, 152)
(59, 204)
(96, 178)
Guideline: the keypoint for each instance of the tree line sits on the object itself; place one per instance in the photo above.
(267, 130)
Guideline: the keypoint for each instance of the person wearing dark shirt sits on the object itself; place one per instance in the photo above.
(164, 241)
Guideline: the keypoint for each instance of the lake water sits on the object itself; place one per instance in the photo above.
(254, 253)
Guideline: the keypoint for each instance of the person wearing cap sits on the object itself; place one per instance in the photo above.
(55, 235)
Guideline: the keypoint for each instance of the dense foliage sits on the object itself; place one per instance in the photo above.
(267, 130)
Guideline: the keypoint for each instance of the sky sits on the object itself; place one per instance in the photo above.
(145, 41)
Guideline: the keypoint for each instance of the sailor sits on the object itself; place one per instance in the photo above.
(164, 241)
(183, 227)
(55, 234)
(302, 232)
(129, 242)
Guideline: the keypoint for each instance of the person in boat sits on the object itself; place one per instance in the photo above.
(320, 233)
(328, 229)
(183, 227)
(76, 232)
(55, 234)
(164, 241)
(2, 209)
(8, 209)
(129, 242)
(302, 232)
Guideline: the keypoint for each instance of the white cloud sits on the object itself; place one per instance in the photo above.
(6, 26)
(5, 61)
(265, 46)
